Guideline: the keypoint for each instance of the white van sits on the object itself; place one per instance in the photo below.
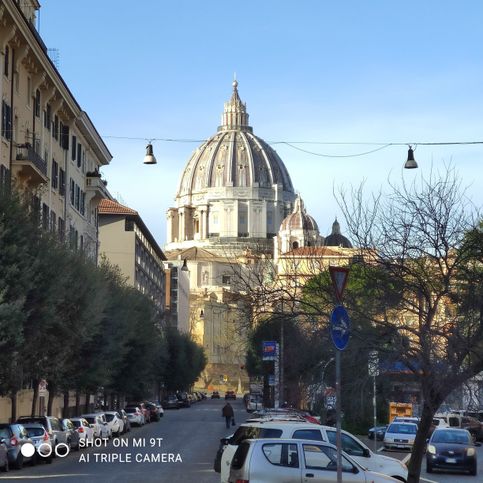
(315, 432)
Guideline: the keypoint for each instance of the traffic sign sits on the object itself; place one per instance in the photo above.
(340, 326)
(339, 276)
(269, 350)
(373, 364)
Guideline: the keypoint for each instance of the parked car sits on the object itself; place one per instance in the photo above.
(451, 449)
(114, 422)
(215, 395)
(461, 421)
(52, 425)
(378, 431)
(72, 434)
(14, 436)
(230, 395)
(127, 423)
(98, 422)
(154, 414)
(300, 429)
(144, 410)
(400, 436)
(171, 402)
(277, 460)
(135, 415)
(41, 440)
(84, 429)
(160, 409)
(183, 399)
(4, 465)
(254, 402)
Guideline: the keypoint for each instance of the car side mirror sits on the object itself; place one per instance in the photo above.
(427, 441)
(91, 426)
(225, 441)
(476, 444)
(355, 470)
(366, 453)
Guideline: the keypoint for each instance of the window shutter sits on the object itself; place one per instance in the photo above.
(74, 147)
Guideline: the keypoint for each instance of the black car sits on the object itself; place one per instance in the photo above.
(183, 399)
(379, 431)
(451, 449)
(215, 395)
(230, 395)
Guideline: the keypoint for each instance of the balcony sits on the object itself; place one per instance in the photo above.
(96, 187)
(29, 167)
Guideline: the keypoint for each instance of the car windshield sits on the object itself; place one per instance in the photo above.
(456, 437)
(77, 424)
(31, 420)
(109, 417)
(35, 432)
(402, 428)
(130, 410)
(90, 420)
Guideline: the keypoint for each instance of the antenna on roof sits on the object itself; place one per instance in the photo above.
(54, 56)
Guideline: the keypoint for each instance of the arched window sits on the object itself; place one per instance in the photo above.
(295, 245)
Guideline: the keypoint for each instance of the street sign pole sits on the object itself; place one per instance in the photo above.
(340, 332)
(338, 438)
(277, 378)
(374, 372)
(375, 414)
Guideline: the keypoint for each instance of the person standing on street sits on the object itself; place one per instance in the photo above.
(228, 413)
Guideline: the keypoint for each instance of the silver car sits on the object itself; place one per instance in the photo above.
(295, 461)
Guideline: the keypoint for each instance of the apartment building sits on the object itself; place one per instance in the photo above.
(178, 295)
(49, 148)
(126, 242)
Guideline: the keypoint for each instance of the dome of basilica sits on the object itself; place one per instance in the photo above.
(234, 190)
(233, 157)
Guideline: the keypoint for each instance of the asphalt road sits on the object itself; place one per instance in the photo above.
(185, 441)
(190, 435)
(436, 477)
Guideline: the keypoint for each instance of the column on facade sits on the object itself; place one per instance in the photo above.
(204, 222)
(181, 224)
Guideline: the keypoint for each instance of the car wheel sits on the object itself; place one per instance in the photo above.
(19, 462)
(6, 467)
(473, 470)
(429, 468)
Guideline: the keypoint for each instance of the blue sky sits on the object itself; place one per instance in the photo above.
(309, 70)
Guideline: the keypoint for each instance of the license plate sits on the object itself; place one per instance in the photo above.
(450, 460)
(401, 440)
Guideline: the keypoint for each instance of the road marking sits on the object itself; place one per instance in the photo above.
(429, 481)
(43, 476)
(380, 449)
(406, 458)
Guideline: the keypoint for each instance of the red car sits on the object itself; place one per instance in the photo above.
(230, 395)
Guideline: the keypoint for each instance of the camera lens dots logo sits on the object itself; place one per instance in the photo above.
(27, 450)
(45, 450)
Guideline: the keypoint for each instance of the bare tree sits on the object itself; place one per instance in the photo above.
(425, 263)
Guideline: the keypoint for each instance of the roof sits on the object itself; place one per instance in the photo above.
(299, 219)
(234, 157)
(109, 207)
(192, 253)
(313, 252)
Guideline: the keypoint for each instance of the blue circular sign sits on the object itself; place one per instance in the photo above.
(340, 327)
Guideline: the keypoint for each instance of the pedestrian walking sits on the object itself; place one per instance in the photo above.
(229, 415)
